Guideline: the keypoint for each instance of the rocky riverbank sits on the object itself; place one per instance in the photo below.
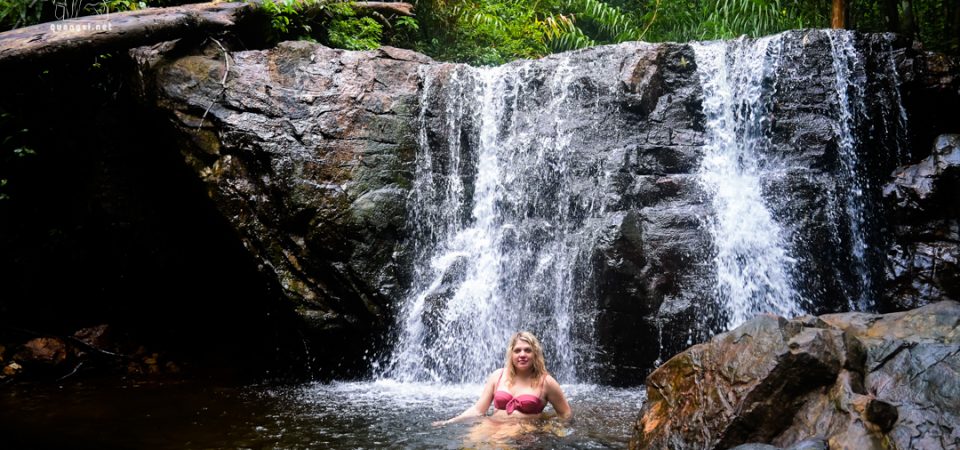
(851, 380)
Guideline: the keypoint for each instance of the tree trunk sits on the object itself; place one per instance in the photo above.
(955, 31)
(107, 32)
(909, 27)
(839, 14)
(891, 15)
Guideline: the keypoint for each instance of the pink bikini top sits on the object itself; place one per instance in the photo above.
(525, 403)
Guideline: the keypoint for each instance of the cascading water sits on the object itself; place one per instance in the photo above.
(537, 179)
(753, 264)
(756, 267)
(857, 216)
(850, 79)
(501, 222)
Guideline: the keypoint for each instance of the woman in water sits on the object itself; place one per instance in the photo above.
(521, 389)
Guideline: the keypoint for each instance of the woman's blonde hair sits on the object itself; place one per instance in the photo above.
(539, 367)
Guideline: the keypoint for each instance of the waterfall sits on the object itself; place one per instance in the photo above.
(624, 187)
(502, 218)
(857, 216)
(850, 80)
(753, 265)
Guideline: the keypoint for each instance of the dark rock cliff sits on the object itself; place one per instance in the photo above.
(307, 152)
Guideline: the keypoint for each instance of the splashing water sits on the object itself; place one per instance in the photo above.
(853, 181)
(499, 248)
(507, 209)
(752, 262)
(850, 79)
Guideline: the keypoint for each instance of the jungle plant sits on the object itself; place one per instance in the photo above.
(601, 21)
(718, 19)
(20, 13)
(285, 18)
(331, 22)
(13, 150)
(346, 30)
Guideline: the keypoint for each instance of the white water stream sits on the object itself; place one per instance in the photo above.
(506, 210)
(753, 263)
(500, 226)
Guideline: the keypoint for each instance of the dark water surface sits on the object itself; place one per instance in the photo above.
(354, 415)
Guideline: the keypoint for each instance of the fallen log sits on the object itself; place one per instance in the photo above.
(106, 32)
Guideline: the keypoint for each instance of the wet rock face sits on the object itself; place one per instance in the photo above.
(654, 269)
(858, 380)
(923, 259)
(307, 151)
(647, 263)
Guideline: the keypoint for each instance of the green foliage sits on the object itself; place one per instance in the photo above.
(112, 6)
(608, 23)
(405, 32)
(345, 30)
(20, 13)
(938, 25)
(282, 15)
(333, 23)
(480, 32)
(562, 34)
(721, 19)
(585, 23)
(495, 31)
(13, 150)
(936, 22)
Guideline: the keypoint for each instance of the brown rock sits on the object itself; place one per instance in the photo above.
(98, 337)
(48, 351)
(741, 387)
(860, 381)
(12, 369)
(307, 151)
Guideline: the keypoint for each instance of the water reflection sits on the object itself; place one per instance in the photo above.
(360, 415)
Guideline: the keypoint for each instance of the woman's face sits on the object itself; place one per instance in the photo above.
(522, 356)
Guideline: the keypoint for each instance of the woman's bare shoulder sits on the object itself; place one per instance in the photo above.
(550, 382)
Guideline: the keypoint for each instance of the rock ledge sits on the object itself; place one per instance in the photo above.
(855, 380)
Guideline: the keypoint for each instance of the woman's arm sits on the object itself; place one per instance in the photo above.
(483, 403)
(556, 398)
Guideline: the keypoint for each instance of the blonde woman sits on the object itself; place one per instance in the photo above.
(521, 389)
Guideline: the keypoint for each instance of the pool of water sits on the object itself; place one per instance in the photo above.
(354, 415)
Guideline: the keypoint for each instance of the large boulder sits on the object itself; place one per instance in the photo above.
(923, 257)
(863, 381)
(307, 151)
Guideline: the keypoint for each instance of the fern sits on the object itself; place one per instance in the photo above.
(562, 34)
(611, 23)
(714, 19)
(478, 18)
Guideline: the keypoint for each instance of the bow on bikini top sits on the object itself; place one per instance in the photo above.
(525, 403)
